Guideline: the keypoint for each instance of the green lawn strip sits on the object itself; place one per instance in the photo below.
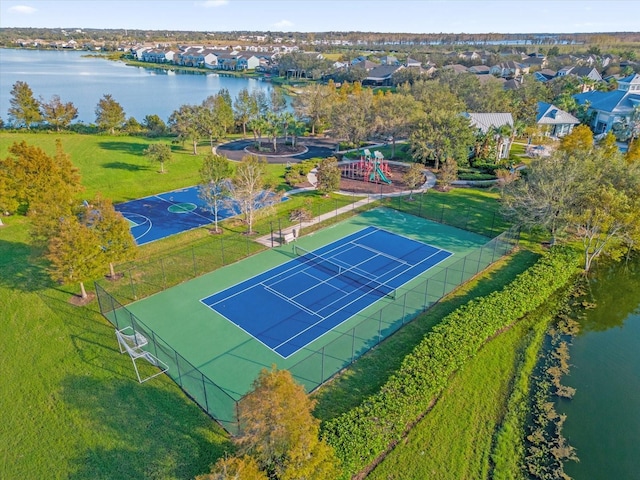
(453, 440)
(71, 405)
(508, 451)
(370, 372)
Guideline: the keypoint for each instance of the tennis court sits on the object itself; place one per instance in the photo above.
(158, 216)
(290, 306)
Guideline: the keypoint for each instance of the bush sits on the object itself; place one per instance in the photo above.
(364, 433)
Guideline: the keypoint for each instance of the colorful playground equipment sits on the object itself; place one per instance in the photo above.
(368, 169)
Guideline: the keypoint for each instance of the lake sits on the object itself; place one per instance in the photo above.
(603, 418)
(85, 80)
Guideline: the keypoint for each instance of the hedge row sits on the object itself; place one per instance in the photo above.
(367, 431)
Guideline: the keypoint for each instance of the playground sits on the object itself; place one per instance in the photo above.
(372, 173)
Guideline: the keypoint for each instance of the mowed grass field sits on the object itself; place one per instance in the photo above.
(116, 165)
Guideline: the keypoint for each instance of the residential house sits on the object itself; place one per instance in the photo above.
(509, 69)
(412, 63)
(581, 72)
(553, 121)
(538, 61)
(381, 75)
(613, 111)
(490, 123)
(157, 55)
(479, 70)
(457, 68)
(545, 75)
(389, 60)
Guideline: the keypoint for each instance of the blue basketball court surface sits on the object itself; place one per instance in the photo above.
(159, 216)
(293, 304)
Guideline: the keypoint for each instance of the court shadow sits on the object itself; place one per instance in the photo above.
(139, 431)
(130, 167)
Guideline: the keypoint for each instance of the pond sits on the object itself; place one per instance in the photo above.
(84, 80)
(603, 418)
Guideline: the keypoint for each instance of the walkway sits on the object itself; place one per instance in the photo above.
(289, 231)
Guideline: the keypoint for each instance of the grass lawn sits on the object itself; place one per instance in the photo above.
(453, 441)
(71, 405)
(117, 167)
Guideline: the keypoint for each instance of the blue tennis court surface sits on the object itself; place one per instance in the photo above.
(293, 304)
(159, 216)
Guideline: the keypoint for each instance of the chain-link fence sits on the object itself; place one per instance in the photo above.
(148, 277)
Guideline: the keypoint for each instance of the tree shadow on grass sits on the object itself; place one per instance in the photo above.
(133, 148)
(23, 268)
(140, 431)
(131, 167)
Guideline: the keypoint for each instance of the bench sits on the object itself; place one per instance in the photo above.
(288, 237)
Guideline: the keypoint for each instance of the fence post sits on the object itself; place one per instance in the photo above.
(222, 250)
(204, 389)
(353, 344)
(193, 256)
(322, 368)
(164, 278)
(133, 288)
(420, 207)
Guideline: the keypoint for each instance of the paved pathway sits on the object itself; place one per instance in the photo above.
(273, 242)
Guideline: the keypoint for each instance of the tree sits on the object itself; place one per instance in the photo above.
(234, 468)
(214, 183)
(215, 116)
(154, 125)
(352, 116)
(279, 431)
(24, 109)
(245, 108)
(109, 114)
(633, 152)
(443, 134)
(580, 140)
(159, 152)
(74, 253)
(57, 197)
(184, 123)
(395, 115)
(277, 101)
(32, 177)
(57, 114)
(112, 231)
(328, 175)
(544, 197)
(414, 177)
(249, 190)
(448, 173)
(314, 104)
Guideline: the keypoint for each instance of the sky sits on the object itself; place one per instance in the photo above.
(410, 16)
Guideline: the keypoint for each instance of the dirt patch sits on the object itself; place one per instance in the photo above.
(78, 301)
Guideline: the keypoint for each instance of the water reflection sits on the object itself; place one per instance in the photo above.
(614, 289)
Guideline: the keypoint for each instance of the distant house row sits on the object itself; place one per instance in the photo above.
(202, 57)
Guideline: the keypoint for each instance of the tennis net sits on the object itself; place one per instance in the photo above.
(344, 271)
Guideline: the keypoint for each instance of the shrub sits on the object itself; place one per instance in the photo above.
(364, 433)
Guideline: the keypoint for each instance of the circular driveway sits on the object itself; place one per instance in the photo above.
(316, 148)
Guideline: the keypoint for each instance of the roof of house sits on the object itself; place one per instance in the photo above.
(549, 114)
(383, 71)
(487, 121)
(616, 102)
(456, 68)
